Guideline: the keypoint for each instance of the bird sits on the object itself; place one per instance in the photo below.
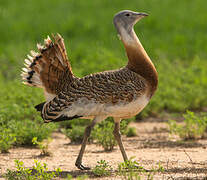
(121, 93)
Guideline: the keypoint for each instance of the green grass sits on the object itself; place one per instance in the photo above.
(130, 170)
(174, 35)
(103, 134)
(194, 126)
(38, 171)
(102, 169)
(19, 121)
(181, 86)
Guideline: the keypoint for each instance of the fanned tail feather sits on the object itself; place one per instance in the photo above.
(49, 68)
(40, 106)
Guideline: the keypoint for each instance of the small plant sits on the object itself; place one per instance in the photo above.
(129, 165)
(131, 170)
(7, 139)
(102, 169)
(43, 146)
(38, 171)
(124, 125)
(41, 171)
(193, 128)
(75, 134)
(20, 173)
(69, 177)
(103, 134)
(131, 132)
(26, 130)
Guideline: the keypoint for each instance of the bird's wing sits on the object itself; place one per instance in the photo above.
(88, 97)
(49, 68)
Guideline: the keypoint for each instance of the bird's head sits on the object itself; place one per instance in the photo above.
(126, 19)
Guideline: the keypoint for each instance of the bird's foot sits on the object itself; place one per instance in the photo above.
(82, 167)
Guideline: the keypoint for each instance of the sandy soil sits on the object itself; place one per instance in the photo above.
(152, 146)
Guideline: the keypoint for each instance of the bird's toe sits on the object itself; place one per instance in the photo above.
(82, 167)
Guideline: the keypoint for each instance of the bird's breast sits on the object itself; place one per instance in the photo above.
(126, 110)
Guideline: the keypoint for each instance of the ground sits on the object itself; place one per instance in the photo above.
(153, 146)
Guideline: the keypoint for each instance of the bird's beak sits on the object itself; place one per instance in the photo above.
(139, 15)
(142, 14)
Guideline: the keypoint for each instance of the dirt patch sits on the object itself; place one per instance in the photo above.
(152, 146)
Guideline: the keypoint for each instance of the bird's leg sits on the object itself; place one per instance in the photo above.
(117, 136)
(87, 133)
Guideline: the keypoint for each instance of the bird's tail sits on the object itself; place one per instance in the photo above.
(49, 68)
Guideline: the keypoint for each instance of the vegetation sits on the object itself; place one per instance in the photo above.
(131, 132)
(7, 139)
(131, 170)
(75, 134)
(19, 121)
(128, 170)
(103, 134)
(102, 169)
(43, 146)
(194, 126)
(82, 177)
(38, 171)
(174, 35)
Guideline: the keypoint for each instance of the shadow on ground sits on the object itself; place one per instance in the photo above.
(195, 172)
(63, 174)
(170, 144)
(162, 142)
(74, 173)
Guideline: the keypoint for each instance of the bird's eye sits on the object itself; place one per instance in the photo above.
(127, 14)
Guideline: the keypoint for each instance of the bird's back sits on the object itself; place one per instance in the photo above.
(111, 93)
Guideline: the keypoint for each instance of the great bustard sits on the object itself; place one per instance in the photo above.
(120, 93)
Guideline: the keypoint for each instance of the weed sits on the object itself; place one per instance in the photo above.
(102, 169)
(124, 125)
(38, 171)
(194, 126)
(103, 134)
(69, 177)
(131, 132)
(19, 121)
(7, 139)
(41, 171)
(75, 134)
(43, 146)
(20, 173)
(25, 134)
(131, 170)
(129, 165)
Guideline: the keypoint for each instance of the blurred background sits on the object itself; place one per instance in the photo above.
(174, 36)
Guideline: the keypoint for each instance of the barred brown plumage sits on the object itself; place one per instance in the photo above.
(109, 88)
(48, 68)
(120, 93)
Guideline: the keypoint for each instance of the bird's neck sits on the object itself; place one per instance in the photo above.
(139, 61)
